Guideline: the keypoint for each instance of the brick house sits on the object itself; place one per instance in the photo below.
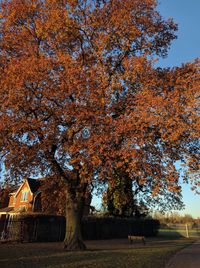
(26, 198)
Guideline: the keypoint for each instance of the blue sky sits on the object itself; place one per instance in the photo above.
(185, 48)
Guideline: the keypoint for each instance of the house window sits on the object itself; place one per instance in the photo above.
(24, 196)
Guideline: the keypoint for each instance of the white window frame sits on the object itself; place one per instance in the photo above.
(24, 196)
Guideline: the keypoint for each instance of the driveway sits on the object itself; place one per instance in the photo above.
(189, 257)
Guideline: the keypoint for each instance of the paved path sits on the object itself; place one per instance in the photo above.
(189, 257)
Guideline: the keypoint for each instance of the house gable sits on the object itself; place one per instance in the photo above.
(22, 199)
(23, 185)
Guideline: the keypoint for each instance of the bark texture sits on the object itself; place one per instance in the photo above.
(74, 211)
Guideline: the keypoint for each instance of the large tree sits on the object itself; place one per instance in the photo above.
(79, 96)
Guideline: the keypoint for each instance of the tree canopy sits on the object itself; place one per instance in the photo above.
(80, 97)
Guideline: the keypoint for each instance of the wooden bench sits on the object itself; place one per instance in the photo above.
(132, 238)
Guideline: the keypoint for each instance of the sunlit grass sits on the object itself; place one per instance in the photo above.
(179, 232)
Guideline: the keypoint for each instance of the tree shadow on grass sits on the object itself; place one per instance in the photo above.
(97, 259)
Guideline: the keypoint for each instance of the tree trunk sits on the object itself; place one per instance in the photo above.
(74, 211)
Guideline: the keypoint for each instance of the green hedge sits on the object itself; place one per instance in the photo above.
(108, 228)
(46, 228)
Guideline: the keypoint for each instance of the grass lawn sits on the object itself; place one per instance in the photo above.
(194, 233)
(100, 254)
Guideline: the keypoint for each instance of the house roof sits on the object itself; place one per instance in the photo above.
(14, 190)
(34, 184)
(7, 209)
(12, 209)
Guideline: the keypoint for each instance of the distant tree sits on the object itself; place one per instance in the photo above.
(174, 217)
(187, 218)
(79, 96)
